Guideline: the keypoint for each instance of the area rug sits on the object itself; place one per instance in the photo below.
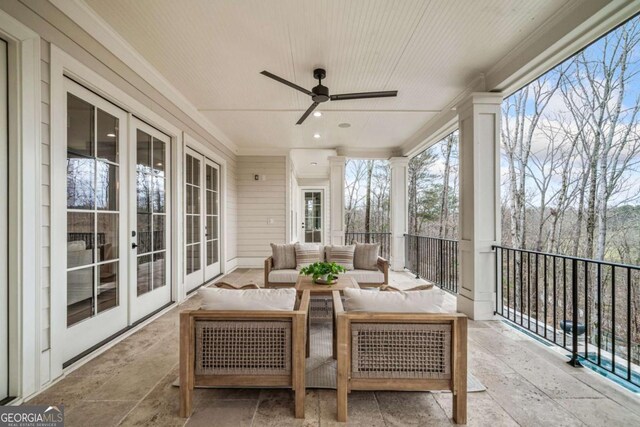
(321, 367)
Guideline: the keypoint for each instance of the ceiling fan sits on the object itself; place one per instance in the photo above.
(320, 93)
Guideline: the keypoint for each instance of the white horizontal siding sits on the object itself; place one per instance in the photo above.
(259, 202)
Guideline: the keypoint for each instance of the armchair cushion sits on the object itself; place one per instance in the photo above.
(248, 299)
(284, 256)
(430, 301)
(366, 256)
(283, 276)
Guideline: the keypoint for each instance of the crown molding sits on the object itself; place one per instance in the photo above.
(84, 16)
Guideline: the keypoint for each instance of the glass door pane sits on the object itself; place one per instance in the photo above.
(93, 211)
(151, 235)
(212, 220)
(313, 216)
(193, 220)
(4, 254)
(151, 213)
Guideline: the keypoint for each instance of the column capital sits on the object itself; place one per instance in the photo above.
(337, 160)
(398, 161)
(480, 98)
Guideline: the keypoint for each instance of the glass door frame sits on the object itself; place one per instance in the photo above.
(87, 333)
(303, 218)
(149, 302)
(214, 269)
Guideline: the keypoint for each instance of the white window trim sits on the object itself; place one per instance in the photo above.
(61, 65)
(24, 208)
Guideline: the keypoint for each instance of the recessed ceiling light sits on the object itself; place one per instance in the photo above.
(344, 125)
(314, 163)
(316, 135)
(111, 135)
(317, 114)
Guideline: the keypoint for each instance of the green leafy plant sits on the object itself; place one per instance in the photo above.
(320, 269)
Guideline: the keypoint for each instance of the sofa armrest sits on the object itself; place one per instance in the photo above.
(268, 265)
(383, 266)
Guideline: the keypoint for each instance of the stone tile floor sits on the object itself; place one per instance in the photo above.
(527, 384)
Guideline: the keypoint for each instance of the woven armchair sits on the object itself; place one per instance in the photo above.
(243, 349)
(401, 352)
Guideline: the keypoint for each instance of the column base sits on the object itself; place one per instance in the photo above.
(476, 310)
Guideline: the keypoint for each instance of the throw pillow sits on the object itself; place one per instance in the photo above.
(248, 299)
(366, 256)
(430, 301)
(341, 255)
(284, 256)
(307, 253)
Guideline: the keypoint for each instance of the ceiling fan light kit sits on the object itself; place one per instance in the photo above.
(320, 93)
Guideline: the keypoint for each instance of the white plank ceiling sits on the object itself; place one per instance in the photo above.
(430, 51)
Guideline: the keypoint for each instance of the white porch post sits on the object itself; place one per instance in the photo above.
(479, 124)
(337, 183)
(399, 210)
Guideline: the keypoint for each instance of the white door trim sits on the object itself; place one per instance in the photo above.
(24, 206)
(62, 64)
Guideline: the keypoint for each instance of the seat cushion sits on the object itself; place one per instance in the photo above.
(366, 256)
(367, 276)
(247, 299)
(307, 254)
(341, 255)
(430, 301)
(283, 276)
(284, 256)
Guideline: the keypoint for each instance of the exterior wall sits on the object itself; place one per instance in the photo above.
(56, 29)
(259, 203)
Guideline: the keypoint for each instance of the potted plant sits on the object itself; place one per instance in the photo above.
(325, 273)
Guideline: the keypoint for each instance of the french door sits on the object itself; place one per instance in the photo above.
(313, 221)
(118, 225)
(150, 266)
(4, 190)
(202, 219)
(96, 227)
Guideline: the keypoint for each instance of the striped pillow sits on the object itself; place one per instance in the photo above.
(341, 255)
(366, 256)
(306, 254)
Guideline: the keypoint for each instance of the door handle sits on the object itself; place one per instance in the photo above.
(134, 245)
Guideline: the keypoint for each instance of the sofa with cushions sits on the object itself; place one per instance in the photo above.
(362, 262)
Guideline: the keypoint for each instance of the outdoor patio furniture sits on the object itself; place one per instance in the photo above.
(288, 277)
(402, 352)
(259, 348)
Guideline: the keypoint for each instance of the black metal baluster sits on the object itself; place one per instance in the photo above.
(555, 300)
(613, 319)
(586, 310)
(546, 284)
(574, 316)
(599, 313)
(537, 294)
(564, 302)
(629, 351)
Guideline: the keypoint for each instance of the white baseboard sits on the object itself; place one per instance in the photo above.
(250, 262)
(230, 265)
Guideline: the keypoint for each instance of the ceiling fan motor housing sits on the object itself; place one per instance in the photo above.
(320, 93)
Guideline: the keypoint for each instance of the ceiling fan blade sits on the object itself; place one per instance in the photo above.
(306, 113)
(363, 95)
(286, 82)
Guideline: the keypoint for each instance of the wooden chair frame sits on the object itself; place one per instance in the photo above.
(296, 380)
(345, 383)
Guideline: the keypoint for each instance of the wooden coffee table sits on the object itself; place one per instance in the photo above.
(306, 283)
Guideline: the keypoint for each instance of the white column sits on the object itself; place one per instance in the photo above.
(337, 183)
(399, 210)
(479, 124)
